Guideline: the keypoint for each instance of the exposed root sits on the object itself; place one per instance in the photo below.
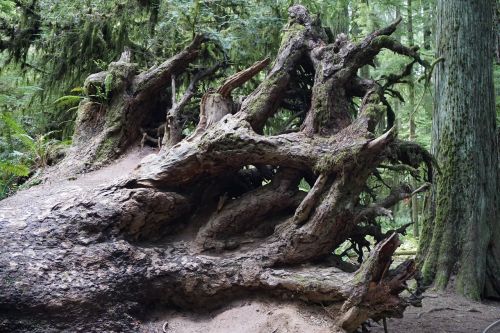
(240, 78)
(150, 238)
(306, 206)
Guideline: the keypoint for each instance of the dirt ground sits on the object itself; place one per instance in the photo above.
(440, 313)
(446, 313)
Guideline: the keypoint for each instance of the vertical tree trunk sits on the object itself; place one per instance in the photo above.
(411, 91)
(466, 147)
(396, 177)
(426, 14)
(364, 71)
(341, 22)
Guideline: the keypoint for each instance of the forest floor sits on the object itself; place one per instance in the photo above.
(440, 312)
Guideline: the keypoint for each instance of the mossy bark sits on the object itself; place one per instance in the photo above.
(121, 102)
(460, 240)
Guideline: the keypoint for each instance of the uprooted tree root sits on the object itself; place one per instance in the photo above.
(194, 226)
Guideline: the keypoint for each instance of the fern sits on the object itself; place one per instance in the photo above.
(18, 170)
(16, 130)
(67, 101)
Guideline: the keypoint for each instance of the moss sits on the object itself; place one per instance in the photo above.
(108, 84)
(107, 149)
(465, 287)
(442, 252)
(259, 106)
(328, 163)
(325, 163)
(260, 101)
(86, 111)
(372, 111)
(320, 105)
(110, 146)
(441, 280)
(115, 113)
(382, 41)
(289, 32)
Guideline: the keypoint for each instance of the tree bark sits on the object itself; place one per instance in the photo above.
(428, 15)
(220, 215)
(462, 239)
(412, 126)
(121, 102)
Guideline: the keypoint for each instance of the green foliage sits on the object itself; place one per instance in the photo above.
(304, 186)
(7, 8)
(108, 84)
(282, 121)
(21, 152)
(14, 163)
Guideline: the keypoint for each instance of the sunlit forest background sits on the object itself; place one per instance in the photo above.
(47, 48)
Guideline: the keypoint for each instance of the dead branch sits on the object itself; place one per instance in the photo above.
(238, 79)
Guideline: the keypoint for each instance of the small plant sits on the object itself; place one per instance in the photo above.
(70, 102)
(44, 148)
(21, 153)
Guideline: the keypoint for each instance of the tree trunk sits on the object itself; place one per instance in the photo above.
(428, 16)
(341, 20)
(464, 239)
(219, 215)
(121, 103)
(412, 126)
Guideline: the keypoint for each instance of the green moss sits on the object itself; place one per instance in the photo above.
(468, 289)
(372, 111)
(114, 124)
(441, 253)
(260, 101)
(320, 105)
(108, 84)
(441, 280)
(289, 32)
(107, 149)
(115, 113)
(327, 163)
(382, 41)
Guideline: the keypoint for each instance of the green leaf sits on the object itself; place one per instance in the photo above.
(67, 101)
(19, 170)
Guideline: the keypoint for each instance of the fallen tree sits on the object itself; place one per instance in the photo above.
(219, 214)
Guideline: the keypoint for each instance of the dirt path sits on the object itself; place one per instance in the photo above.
(446, 313)
(440, 313)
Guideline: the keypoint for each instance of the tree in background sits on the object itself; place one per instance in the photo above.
(462, 237)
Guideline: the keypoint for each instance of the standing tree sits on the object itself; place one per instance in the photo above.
(219, 215)
(462, 237)
(412, 125)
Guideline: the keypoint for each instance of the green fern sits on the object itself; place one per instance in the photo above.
(16, 130)
(19, 170)
(68, 101)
